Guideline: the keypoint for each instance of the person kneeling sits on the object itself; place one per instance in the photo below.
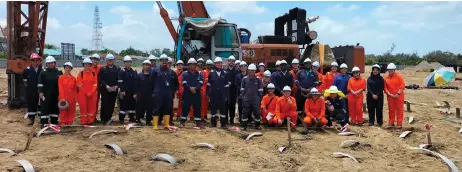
(268, 106)
(336, 107)
(286, 107)
(315, 110)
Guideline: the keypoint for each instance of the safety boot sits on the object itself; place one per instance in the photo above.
(155, 122)
(223, 123)
(182, 123)
(244, 125)
(257, 126)
(131, 118)
(213, 121)
(166, 121)
(31, 120)
(199, 124)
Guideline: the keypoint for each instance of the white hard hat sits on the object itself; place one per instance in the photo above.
(243, 63)
(314, 91)
(200, 60)
(307, 60)
(163, 57)
(283, 62)
(270, 86)
(50, 59)
(261, 64)
(192, 61)
(343, 66)
(252, 67)
(86, 61)
(286, 88)
(316, 64)
(179, 62)
(390, 66)
(170, 60)
(278, 63)
(334, 64)
(377, 66)
(146, 62)
(267, 73)
(231, 57)
(209, 62)
(355, 69)
(295, 61)
(95, 56)
(152, 57)
(237, 62)
(127, 58)
(218, 59)
(68, 64)
(109, 56)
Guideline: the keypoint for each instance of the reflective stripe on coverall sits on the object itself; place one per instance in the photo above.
(269, 107)
(87, 96)
(163, 93)
(48, 85)
(284, 110)
(67, 91)
(179, 95)
(126, 80)
(327, 80)
(96, 69)
(355, 104)
(218, 92)
(143, 89)
(395, 106)
(190, 80)
(315, 109)
(30, 77)
(294, 86)
(251, 92)
(108, 77)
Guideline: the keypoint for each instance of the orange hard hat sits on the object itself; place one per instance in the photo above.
(34, 56)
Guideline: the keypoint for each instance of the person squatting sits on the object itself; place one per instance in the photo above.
(263, 97)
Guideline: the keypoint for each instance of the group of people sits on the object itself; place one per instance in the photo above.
(262, 97)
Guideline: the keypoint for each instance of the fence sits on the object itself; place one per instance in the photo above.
(77, 63)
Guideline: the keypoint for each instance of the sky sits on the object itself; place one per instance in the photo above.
(412, 26)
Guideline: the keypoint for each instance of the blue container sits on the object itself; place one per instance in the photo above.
(244, 38)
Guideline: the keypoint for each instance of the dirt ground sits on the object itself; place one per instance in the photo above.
(74, 151)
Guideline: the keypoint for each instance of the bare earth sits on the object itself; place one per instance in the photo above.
(73, 151)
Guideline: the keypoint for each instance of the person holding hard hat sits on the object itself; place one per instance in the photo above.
(163, 93)
(295, 68)
(87, 85)
(30, 78)
(394, 88)
(315, 67)
(96, 67)
(268, 106)
(128, 98)
(328, 79)
(251, 94)
(315, 109)
(108, 88)
(336, 107)
(192, 82)
(286, 107)
(67, 86)
(153, 60)
(48, 92)
(261, 70)
(375, 87)
(143, 94)
(282, 78)
(341, 82)
(232, 70)
(356, 87)
(218, 91)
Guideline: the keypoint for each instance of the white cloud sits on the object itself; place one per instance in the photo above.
(53, 23)
(340, 8)
(120, 9)
(229, 7)
(78, 25)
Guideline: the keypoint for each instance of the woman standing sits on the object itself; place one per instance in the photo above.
(87, 83)
(375, 86)
(394, 88)
(356, 87)
(67, 91)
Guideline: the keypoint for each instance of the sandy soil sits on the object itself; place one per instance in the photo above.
(73, 151)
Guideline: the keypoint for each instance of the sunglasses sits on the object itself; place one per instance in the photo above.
(35, 60)
(94, 59)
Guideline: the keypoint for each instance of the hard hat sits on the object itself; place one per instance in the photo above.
(179, 62)
(314, 91)
(334, 64)
(200, 60)
(110, 56)
(146, 62)
(355, 69)
(170, 60)
(270, 86)
(286, 88)
(50, 59)
(34, 56)
(86, 61)
(209, 62)
(343, 66)
(243, 63)
(316, 64)
(283, 62)
(295, 61)
(163, 57)
(391, 66)
(237, 62)
(152, 57)
(267, 73)
(307, 60)
(376, 66)
(261, 64)
(218, 59)
(68, 64)
(231, 57)
(96, 56)
(192, 61)
(278, 63)
(252, 67)
(127, 58)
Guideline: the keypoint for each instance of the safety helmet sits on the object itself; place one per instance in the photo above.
(270, 86)
(209, 62)
(286, 88)
(278, 63)
(169, 60)
(243, 63)
(34, 56)
(68, 64)
(343, 66)
(283, 62)
(267, 73)
(316, 64)
(180, 62)
(127, 58)
(295, 61)
(391, 66)
(163, 57)
(355, 69)
(307, 60)
(218, 60)
(50, 59)
(109, 56)
(96, 56)
(152, 57)
(86, 61)
(200, 60)
(376, 66)
(146, 62)
(237, 62)
(334, 64)
(261, 64)
(252, 67)
(231, 57)
(314, 91)
(192, 61)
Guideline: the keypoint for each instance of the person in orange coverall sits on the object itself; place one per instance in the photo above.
(286, 107)
(315, 109)
(315, 67)
(205, 100)
(67, 86)
(356, 87)
(268, 106)
(394, 88)
(179, 73)
(87, 84)
(261, 71)
(95, 68)
(295, 68)
(328, 79)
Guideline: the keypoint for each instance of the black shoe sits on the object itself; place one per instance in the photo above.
(200, 125)
(182, 124)
(371, 124)
(31, 121)
(148, 123)
(213, 122)
(121, 122)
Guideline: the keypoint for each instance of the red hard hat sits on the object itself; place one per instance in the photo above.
(34, 56)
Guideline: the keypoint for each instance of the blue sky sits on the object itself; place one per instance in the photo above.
(413, 26)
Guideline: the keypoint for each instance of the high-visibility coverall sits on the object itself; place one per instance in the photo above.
(284, 109)
(162, 91)
(327, 80)
(218, 91)
(87, 83)
(96, 69)
(143, 89)
(205, 101)
(395, 106)
(232, 72)
(48, 85)
(30, 77)
(306, 79)
(280, 80)
(251, 93)
(294, 86)
(315, 109)
(67, 91)
(190, 80)
(108, 77)
(180, 94)
(320, 84)
(240, 107)
(355, 104)
(126, 82)
(268, 105)
(260, 75)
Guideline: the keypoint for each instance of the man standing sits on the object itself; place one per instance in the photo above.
(126, 81)
(251, 93)
(30, 78)
(295, 68)
(205, 74)
(238, 81)
(162, 94)
(95, 68)
(306, 79)
(153, 60)
(108, 87)
(192, 82)
(282, 78)
(179, 73)
(232, 71)
(341, 82)
(143, 89)
(48, 92)
(218, 92)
